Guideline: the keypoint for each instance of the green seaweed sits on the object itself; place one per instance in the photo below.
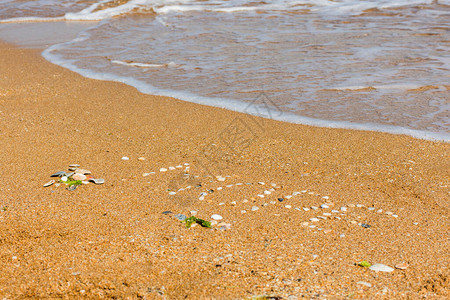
(364, 264)
(191, 220)
(71, 182)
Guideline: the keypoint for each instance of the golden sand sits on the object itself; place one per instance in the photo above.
(112, 240)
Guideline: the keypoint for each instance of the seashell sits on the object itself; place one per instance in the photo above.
(58, 174)
(216, 217)
(72, 187)
(79, 177)
(74, 166)
(97, 180)
(402, 266)
(49, 183)
(82, 171)
(73, 169)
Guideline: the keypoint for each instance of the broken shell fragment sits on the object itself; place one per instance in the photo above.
(79, 177)
(97, 180)
(82, 171)
(58, 174)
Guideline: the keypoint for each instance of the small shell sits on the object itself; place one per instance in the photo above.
(72, 187)
(82, 171)
(58, 174)
(49, 183)
(97, 180)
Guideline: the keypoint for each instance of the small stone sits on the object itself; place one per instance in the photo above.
(305, 208)
(305, 223)
(233, 203)
(280, 199)
(59, 174)
(359, 205)
(381, 268)
(220, 178)
(327, 231)
(342, 235)
(163, 170)
(353, 222)
(179, 166)
(125, 158)
(193, 212)
(261, 196)
(324, 206)
(288, 206)
(314, 207)
(365, 225)
(379, 211)
(322, 217)
(49, 183)
(326, 197)
(245, 201)
(171, 168)
(327, 214)
(216, 217)
(343, 208)
(64, 178)
(395, 216)
(74, 165)
(334, 211)
(416, 223)
(255, 208)
(85, 182)
(288, 197)
(272, 202)
(389, 212)
(371, 208)
(364, 283)
(402, 266)
(224, 226)
(78, 176)
(295, 193)
(314, 220)
(167, 212)
(180, 217)
(221, 203)
(172, 193)
(267, 192)
(73, 169)
(82, 171)
(141, 158)
(243, 211)
(201, 198)
(261, 183)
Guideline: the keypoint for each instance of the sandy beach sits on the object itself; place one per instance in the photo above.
(301, 205)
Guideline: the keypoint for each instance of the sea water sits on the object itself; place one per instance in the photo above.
(373, 65)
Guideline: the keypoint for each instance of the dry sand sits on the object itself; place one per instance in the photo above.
(113, 241)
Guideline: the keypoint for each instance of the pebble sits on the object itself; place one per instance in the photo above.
(193, 212)
(288, 206)
(243, 211)
(395, 216)
(261, 196)
(389, 212)
(371, 208)
(221, 178)
(288, 197)
(305, 208)
(141, 158)
(163, 170)
(167, 212)
(416, 223)
(381, 268)
(233, 203)
(327, 231)
(353, 222)
(314, 220)
(73, 169)
(326, 197)
(267, 192)
(180, 217)
(280, 199)
(402, 266)
(314, 207)
(64, 178)
(379, 211)
(171, 168)
(179, 166)
(364, 283)
(74, 165)
(49, 183)
(334, 211)
(172, 193)
(221, 203)
(359, 205)
(296, 193)
(327, 214)
(186, 164)
(324, 206)
(272, 202)
(255, 208)
(125, 158)
(216, 217)
(219, 188)
(365, 225)
(261, 183)
(78, 176)
(343, 208)
(342, 235)
(305, 223)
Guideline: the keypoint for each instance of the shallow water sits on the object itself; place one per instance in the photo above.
(374, 65)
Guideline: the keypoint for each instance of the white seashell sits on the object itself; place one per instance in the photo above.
(216, 217)
(49, 183)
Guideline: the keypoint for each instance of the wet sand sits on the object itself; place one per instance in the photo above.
(112, 240)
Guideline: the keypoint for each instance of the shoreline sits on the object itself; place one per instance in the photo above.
(112, 240)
